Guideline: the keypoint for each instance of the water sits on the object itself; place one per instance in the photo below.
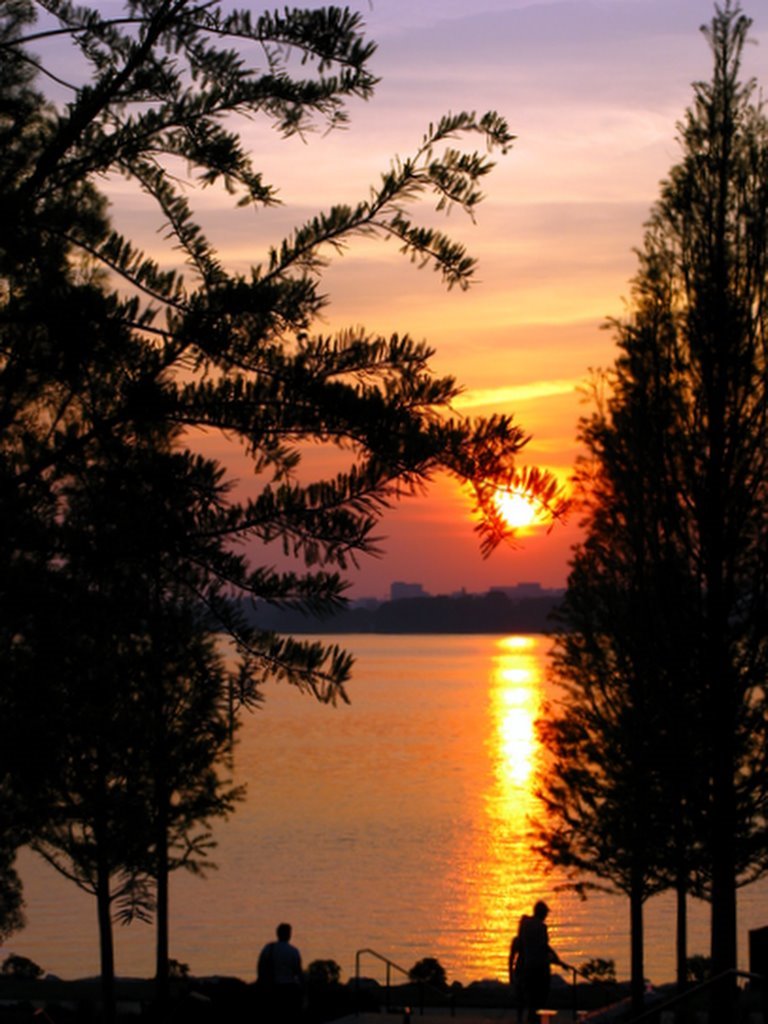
(399, 823)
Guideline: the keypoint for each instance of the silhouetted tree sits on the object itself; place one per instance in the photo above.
(143, 697)
(599, 971)
(622, 796)
(15, 966)
(602, 781)
(323, 973)
(712, 225)
(668, 593)
(429, 971)
(104, 352)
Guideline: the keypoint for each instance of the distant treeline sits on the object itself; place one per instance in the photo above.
(493, 612)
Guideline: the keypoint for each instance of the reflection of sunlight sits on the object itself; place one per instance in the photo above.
(513, 676)
(509, 877)
(516, 643)
(500, 875)
(515, 699)
(517, 744)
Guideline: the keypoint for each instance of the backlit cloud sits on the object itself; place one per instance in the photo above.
(514, 394)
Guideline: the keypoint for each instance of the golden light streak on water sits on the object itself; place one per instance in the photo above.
(400, 823)
(515, 705)
(506, 876)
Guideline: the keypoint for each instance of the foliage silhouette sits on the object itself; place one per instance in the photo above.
(661, 744)
(113, 365)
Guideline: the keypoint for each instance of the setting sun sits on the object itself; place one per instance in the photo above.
(517, 509)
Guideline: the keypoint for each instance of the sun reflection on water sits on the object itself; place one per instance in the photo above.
(515, 701)
(508, 875)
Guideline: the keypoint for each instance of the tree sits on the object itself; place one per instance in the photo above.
(22, 967)
(713, 220)
(233, 354)
(623, 800)
(599, 795)
(323, 973)
(143, 697)
(429, 971)
(677, 521)
(599, 971)
(106, 357)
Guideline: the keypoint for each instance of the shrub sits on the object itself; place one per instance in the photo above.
(21, 967)
(323, 972)
(599, 970)
(430, 971)
(698, 967)
(177, 970)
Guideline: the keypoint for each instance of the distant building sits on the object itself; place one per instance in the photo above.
(371, 603)
(399, 591)
(525, 591)
(519, 590)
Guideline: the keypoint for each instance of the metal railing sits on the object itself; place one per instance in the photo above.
(422, 987)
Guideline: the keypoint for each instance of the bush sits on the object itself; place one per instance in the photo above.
(177, 970)
(599, 970)
(21, 967)
(323, 972)
(429, 971)
(698, 967)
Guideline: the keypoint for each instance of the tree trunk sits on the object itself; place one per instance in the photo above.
(724, 946)
(106, 943)
(681, 945)
(162, 914)
(637, 982)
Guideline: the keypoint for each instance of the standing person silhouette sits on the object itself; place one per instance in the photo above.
(279, 979)
(530, 961)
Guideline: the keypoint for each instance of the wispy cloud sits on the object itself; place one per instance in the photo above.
(515, 393)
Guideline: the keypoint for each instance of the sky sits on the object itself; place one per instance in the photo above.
(593, 91)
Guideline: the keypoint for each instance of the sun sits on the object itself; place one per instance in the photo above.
(517, 509)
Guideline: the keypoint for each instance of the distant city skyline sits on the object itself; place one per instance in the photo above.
(400, 590)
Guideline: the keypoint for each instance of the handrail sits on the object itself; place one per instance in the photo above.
(422, 985)
(682, 996)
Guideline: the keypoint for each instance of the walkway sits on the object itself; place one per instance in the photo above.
(462, 1016)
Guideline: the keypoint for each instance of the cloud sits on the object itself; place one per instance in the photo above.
(515, 393)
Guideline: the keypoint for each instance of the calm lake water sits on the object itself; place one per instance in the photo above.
(398, 823)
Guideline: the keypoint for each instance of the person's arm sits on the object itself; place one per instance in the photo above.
(554, 958)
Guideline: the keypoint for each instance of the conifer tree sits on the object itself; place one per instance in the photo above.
(678, 518)
(109, 361)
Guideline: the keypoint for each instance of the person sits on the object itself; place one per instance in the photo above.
(515, 983)
(530, 961)
(279, 979)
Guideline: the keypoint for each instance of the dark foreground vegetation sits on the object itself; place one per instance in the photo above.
(210, 1000)
(125, 551)
(216, 999)
(590, 991)
(658, 772)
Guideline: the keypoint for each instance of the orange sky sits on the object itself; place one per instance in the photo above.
(593, 90)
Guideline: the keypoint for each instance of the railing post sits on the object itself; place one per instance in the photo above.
(357, 983)
(390, 964)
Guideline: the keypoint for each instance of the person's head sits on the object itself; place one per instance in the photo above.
(284, 932)
(540, 910)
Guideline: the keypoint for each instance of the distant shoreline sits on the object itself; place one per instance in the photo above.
(478, 614)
